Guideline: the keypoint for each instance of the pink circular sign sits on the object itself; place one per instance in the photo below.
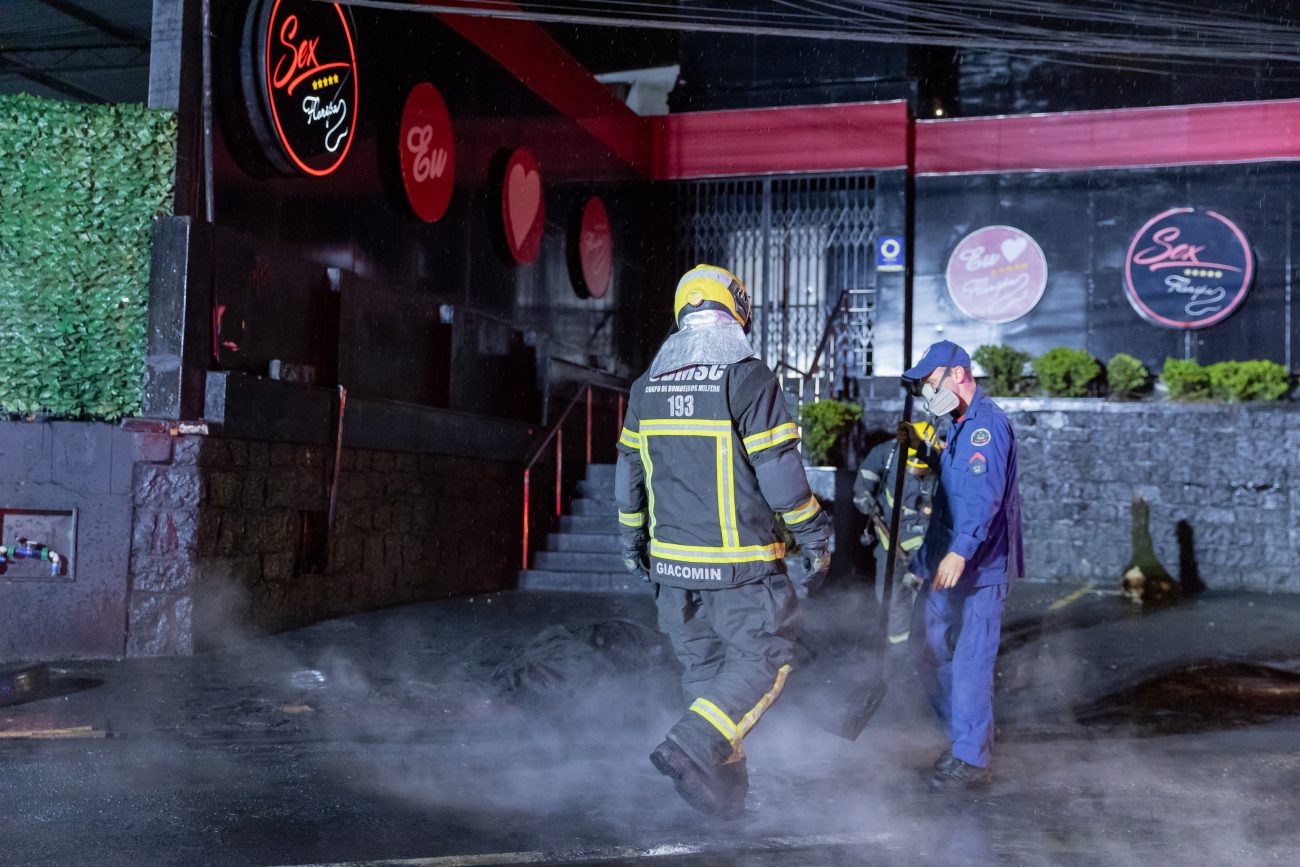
(427, 152)
(522, 208)
(997, 274)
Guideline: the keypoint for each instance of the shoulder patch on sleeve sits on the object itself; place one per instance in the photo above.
(980, 437)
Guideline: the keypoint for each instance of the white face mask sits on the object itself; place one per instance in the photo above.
(939, 401)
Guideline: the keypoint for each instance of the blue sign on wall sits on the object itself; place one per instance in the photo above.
(1188, 268)
(889, 254)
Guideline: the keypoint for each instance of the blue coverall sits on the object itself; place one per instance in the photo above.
(955, 632)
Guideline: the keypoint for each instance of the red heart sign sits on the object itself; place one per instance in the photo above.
(523, 209)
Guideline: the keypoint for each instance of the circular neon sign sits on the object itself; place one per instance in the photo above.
(1188, 268)
(591, 250)
(427, 153)
(304, 77)
(523, 210)
(996, 274)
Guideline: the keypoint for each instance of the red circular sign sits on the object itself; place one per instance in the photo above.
(523, 210)
(307, 67)
(595, 249)
(427, 152)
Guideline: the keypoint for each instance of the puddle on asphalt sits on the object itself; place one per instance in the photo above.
(1203, 696)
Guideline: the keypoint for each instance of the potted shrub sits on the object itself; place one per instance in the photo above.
(1126, 377)
(1065, 372)
(1004, 369)
(824, 424)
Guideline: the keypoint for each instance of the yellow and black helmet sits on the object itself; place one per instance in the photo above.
(927, 434)
(708, 287)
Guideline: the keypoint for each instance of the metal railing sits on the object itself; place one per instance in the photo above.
(816, 370)
(556, 434)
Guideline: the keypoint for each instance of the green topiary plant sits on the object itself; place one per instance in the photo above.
(1126, 376)
(1066, 372)
(1248, 380)
(1186, 379)
(823, 422)
(1004, 369)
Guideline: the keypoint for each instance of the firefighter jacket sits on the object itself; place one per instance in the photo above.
(708, 454)
(873, 494)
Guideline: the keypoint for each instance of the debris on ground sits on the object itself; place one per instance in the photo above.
(563, 658)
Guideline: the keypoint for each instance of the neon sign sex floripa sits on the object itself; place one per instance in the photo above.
(300, 72)
(1188, 268)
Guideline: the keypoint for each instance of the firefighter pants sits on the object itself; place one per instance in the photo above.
(736, 645)
(954, 638)
(902, 597)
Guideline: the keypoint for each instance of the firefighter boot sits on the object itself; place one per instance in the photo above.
(712, 793)
(735, 776)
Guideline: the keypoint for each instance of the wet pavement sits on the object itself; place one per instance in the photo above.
(514, 729)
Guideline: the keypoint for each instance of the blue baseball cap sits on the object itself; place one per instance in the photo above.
(945, 353)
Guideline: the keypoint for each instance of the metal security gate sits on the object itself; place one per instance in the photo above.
(804, 246)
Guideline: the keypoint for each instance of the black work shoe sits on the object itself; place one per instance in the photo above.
(946, 762)
(957, 774)
(714, 794)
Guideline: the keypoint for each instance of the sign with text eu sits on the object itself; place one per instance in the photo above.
(996, 274)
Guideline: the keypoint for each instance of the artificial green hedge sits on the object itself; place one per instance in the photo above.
(79, 186)
(1065, 372)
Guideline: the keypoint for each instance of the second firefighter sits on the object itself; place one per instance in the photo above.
(873, 494)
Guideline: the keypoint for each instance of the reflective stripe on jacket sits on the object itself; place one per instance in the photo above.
(693, 438)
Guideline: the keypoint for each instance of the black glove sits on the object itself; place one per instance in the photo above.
(816, 561)
(636, 561)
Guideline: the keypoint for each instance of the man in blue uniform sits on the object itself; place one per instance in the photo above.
(972, 551)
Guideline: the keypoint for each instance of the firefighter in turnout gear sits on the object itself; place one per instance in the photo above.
(873, 494)
(707, 457)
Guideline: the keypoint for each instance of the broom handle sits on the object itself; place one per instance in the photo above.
(891, 558)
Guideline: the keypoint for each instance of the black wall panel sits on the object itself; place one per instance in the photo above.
(357, 220)
(1084, 221)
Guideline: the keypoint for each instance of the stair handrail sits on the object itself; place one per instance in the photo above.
(841, 307)
(557, 434)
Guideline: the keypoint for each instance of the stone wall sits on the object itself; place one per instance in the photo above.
(230, 535)
(66, 466)
(1226, 478)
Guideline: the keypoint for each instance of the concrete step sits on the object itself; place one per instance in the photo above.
(600, 473)
(597, 490)
(591, 508)
(577, 561)
(604, 525)
(597, 543)
(590, 582)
